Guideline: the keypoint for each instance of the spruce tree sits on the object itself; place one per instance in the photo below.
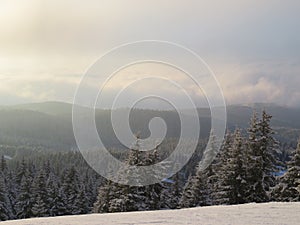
(171, 193)
(4, 201)
(218, 190)
(233, 184)
(196, 191)
(117, 197)
(12, 192)
(288, 189)
(105, 195)
(71, 190)
(81, 202)
(262, 150)
(255, 172)
(41, 204)
(39, 208)
(55, 196)
(25, 199)
(269, 150)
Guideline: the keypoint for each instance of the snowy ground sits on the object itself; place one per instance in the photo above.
(269, 213)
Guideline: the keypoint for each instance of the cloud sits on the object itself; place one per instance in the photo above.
(46, 46)
(275, 82)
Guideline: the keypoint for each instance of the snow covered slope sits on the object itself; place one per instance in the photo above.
(269, 213)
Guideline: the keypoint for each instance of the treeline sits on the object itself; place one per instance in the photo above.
(42, 187)
(37, 183)
(246, 169)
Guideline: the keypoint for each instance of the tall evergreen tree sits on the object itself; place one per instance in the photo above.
(70, 187)
(220, 172)
(288, 189)
(25, 199)
(40, 207)
(196, 191)
(105, 195)
(4, 201)
(233, 184)
(116, 197)
(262, 160)
(55, 198)
(199, 188)
(268, 149)
(255, 173)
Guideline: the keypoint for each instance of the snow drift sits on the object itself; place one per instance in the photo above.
(267, 213)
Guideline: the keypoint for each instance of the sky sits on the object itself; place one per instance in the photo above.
(252, 46)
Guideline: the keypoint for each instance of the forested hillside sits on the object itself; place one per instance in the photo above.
(50, 124)
(250, 167)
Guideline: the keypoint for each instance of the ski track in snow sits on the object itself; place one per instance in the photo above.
(266, 213)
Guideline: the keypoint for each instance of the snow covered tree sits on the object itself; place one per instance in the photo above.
(10, 181)
(269, 150)
(105, 195)
(81, 202)
(171, 193)
(117, 197)
(261, 159)
(219, 171)
(55, 201)
(22, 170)
(41, 204)
(70, 188)
(201, 188)
(25, 199)
(39, 208)
(4, 201)
(233, 184)
(288, 189)
(255, 173)
(196, 191)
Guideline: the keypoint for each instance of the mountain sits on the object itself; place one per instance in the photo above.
(264, 213)
(52, 108)
(49, 124)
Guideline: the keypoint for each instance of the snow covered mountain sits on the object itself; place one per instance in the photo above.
(267, 213)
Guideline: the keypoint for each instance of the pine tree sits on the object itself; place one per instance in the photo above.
(171, 193)
(25, 199)
(12, 192)
(40, 207)
(22, 171)
(4, 201)
(255, 172)
(211, 173)
(268, 150)
(122, 197)
(222, 161)
(70, 189)
(90, 187)
(201, 188)
(54, 196)
(81, 202)
(288, 189)
(196, 192)
(105, 195)
(233, 184)
(188, 199)
(262, 160)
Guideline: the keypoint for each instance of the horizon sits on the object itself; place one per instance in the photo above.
(250, 105)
